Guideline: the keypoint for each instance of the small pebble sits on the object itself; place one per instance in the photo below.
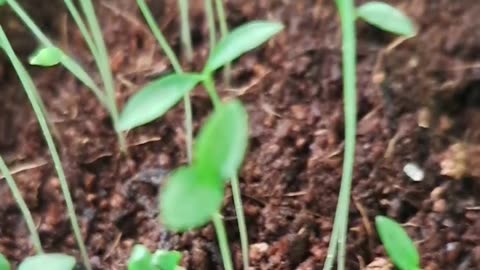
(414, 172)
(258, 250)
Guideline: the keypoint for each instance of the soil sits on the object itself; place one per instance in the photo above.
(418, 103)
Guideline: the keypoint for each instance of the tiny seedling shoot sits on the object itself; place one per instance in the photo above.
(39, 111)
(156, 98)
(50, 55)
(398, 245)
(142, 259)
(389, 19)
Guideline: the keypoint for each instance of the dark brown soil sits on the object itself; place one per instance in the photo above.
(418, 102)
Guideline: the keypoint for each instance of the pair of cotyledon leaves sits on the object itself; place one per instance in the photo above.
(398, 245)
(195, 193)
(142, 259)
(52, 261)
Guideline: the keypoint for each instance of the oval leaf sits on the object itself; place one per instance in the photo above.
(166, 260)
(156, 99)
(241, 40)
(400, 248)
(46, 57)
(222, 142)
(140, 258)
(54, 261)
(4, 264)
(189, 199)
(387, 18)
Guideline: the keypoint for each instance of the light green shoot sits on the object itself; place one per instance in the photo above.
(37, 106)
(4, 264)
(185, 29)
(17, 195)
(147, 14)
(400, 248)
(142, 259)
(212, 31)
(222, 18)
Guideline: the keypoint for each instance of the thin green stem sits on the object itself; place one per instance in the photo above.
(222, 241)
(17, 195)
(212, 31)
(77, 18)
(147, 14)
(30, 90)
(104, 67)
(185, 29)
(347, 15)
(222, 18)
(242, 226)
(68, 62)
(212, 92)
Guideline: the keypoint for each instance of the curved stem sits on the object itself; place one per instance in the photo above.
(17, 195)
(212, 92)
(222, 241)
(30, 90)
(347, 15)
(242, 226)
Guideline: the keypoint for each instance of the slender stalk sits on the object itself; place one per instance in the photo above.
(223, 241)
(17, 195)
(68, 62)
(222, 18)
(347, 15)
(185, 29)
(30, 90)
(242, 226)
(104, 67)
(212, 31)
(210, 87)
(147, 14)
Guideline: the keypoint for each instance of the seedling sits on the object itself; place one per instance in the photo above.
(27, 216)
(142, 259)
(52, 261)
(39, 111)
(50, 55)
(387, 18)
(400, 248)
(348, 15)
(165, 92)
(185, 29)
(193, 195)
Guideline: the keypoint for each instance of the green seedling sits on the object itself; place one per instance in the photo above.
(138, 111)
(4, 264)
(387, 18)
(193, 195)
(53, 261)
(400, 248)
(376, 14)
(49, 54)
(38, 108)
(142, 259)
(27, 216)
(222, 18)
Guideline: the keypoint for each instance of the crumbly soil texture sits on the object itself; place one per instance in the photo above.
(418, 103)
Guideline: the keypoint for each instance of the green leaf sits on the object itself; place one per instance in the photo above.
(222, 142)
(4, 264)
(400, 248)
(387, 18)
(53, 261)
(189, 199)
(241, 40)
(46, 57)
(3, 2)
(140, 259)
(156, 99)
(166, 260)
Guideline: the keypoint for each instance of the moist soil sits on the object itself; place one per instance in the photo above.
(418, 103)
